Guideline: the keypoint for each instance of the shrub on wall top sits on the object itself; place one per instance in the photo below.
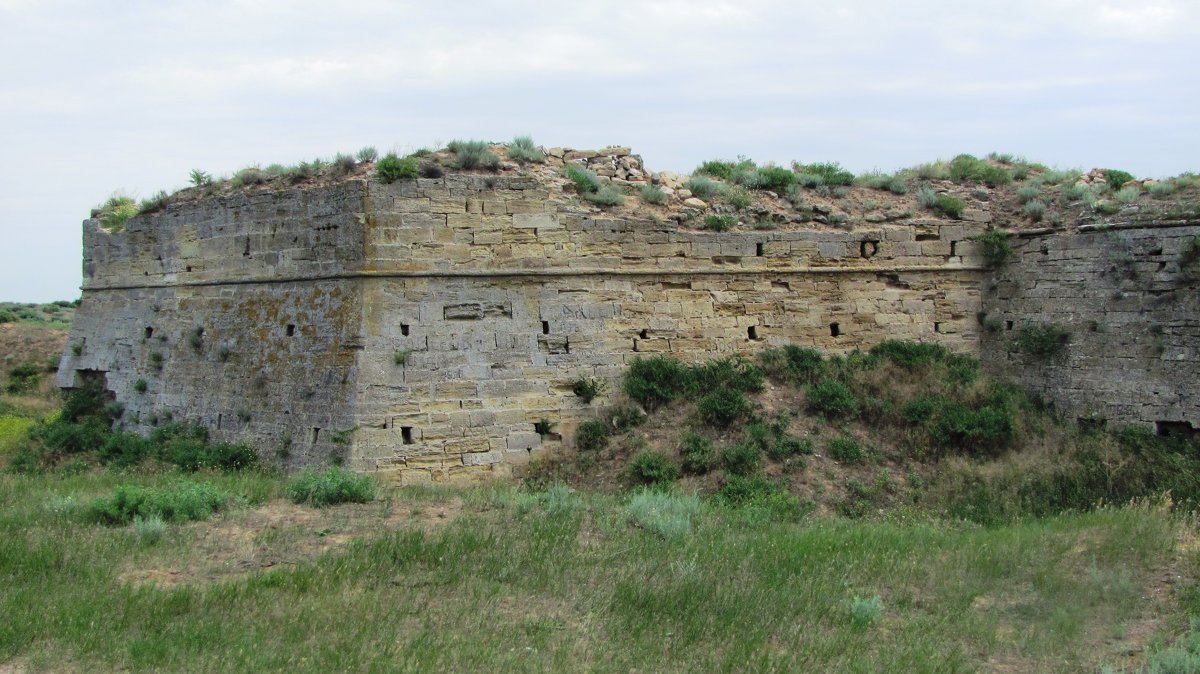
(392, 168)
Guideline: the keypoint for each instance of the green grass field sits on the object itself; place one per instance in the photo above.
(512, 580)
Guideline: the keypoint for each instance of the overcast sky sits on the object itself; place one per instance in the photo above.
(97, 97)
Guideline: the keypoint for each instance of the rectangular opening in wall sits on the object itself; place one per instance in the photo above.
(545, 327)
(835, 330)
(1008, 325)
(752, 332)
(218, 422)
(1174, 429)
(291, 330)
(404, 329)
(316, 435)
(868, 248)
(758, 249)
(953, 248)
(406, 434)
(149, 332)
(644, 334)
(937, 327)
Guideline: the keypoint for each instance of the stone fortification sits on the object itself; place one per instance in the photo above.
(422, 328)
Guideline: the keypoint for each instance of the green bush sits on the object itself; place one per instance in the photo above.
(786, 447)
(722, 406)
(392, 168)
(741, 459)
(655, 381)
(831, 398)
(734, 372)
(965, 167)
(985, 431)
(845, 449)
(995, 247)
(585, 181)
(719, 223)
(884, 181)
(473, 154)
(329, 487)
(178, 503)
(829, 173)
(910, 354)
(921, 410)
(1116, 179)
(626, 416)
(652, 194)
(652, 468)
(776, 178)
(717, 169)
(1042, 341)
(523, 150)
(796, 363)
(588, 389)
(950, 206)
(23, 378)
(123, 449)
(697, 453)
(367, 154)
(592, 435)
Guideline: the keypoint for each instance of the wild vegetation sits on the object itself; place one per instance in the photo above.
(887, 510)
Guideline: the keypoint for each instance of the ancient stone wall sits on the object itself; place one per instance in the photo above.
(1129, 302)
(422, 328)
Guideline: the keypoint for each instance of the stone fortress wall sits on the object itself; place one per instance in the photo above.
(422, 328)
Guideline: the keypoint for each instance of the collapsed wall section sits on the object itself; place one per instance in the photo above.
(1125, 300)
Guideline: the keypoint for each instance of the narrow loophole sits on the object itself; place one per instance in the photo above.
(752, 332)
(149, 332)
(545, 327)
(316, 435)
(1008, 325)
(758, 249)
(406, 434)
(834, 330)
(404, 329)
(291, 330)
(937, 327)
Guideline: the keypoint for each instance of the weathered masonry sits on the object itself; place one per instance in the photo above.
(422, 329)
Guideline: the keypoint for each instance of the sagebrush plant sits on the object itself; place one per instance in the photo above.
(664, 514)
(1034, 210)
(652, 194)
(605, 197)
(473, 154)
(865, 611)
(705, 188)
(967, 168)
(829, 173)
(392, 168)
(331, 486)
(155, 202)
(522, 149)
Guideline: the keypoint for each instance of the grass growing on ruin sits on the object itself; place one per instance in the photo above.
(566, 581)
